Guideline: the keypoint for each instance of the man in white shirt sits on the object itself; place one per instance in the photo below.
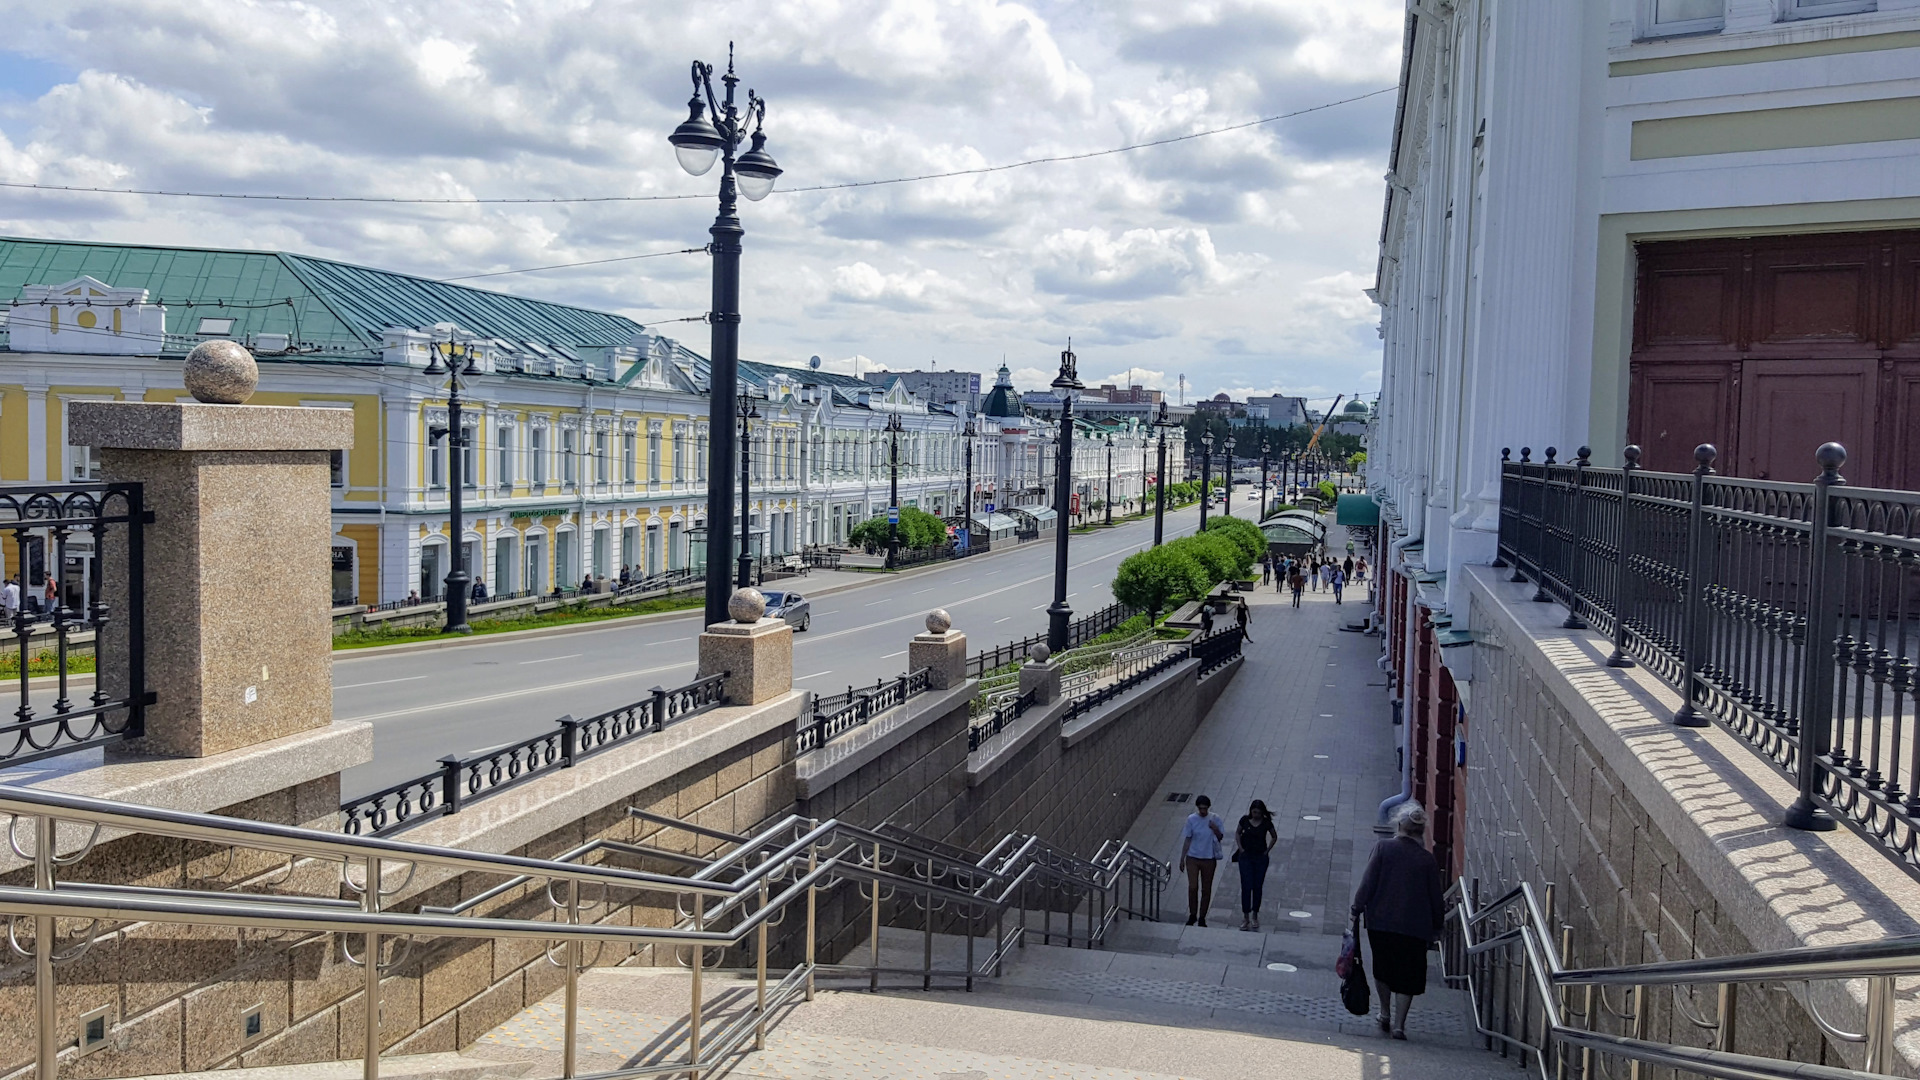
(10, 598)
(1200, 857)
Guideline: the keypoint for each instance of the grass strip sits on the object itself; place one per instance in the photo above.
(393, 635)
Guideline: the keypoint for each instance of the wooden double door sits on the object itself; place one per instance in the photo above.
(1767, 347)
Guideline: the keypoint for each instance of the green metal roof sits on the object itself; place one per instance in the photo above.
(335, 306)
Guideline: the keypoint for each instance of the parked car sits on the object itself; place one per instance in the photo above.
(790, 606)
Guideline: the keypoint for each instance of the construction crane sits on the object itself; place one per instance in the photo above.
(1324, 421)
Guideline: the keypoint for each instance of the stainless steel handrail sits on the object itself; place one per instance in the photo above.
(1482, 936)
(798, 855)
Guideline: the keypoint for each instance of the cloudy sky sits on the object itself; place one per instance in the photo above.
(1238, 259)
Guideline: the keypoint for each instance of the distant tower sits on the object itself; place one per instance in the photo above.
(1183, 389)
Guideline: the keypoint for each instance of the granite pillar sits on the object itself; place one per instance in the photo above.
(239, 641)
(1041, 677)
(755, 652)
(942, 650)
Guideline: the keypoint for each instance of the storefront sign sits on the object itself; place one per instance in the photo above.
(540, 512)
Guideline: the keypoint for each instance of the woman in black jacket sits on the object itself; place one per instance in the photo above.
(1400, 895)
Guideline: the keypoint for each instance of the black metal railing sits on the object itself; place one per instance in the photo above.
(1079, 632)
(840, 713)
(1216, 650)
(906, 557)
(461, 780)
(52, 524)
(1788, 613)
(1089, 702)
(821, 559)
(1003, 714)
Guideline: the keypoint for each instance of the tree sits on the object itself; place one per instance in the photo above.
(1244, 534)
(1328, 494)
(1157, 578)
(918, 529)
(1221, 558)
(1356, 461)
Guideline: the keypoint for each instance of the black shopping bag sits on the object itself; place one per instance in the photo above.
(1353, 984)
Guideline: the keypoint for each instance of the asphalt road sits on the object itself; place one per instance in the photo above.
(427, 704)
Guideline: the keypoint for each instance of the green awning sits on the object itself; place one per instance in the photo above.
(1357, 510)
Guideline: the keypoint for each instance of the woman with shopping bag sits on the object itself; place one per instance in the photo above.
(1400, 896)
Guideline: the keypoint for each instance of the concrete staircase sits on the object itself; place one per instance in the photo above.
(1162, 1001)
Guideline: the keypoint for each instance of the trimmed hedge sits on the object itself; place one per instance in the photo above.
(1188, 568)
(918, 529)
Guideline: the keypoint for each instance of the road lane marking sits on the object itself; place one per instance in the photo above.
(877, 603)
(997, 622)
(919, 591)
(815, 675)
(524, 691)
(549, 659)
(891, 655)
(378, 682)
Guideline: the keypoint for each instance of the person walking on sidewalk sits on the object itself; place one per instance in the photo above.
(1200, 856)
(1400, 896)
(1297, 581)
(1243, 616)
(1253, 846)
(1338, 583)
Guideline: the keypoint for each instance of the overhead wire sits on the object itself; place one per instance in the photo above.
(982, 170)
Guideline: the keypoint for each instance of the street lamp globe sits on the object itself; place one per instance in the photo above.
(756, 169)
(695, 142)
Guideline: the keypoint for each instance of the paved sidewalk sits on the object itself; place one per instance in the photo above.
(1305, 726)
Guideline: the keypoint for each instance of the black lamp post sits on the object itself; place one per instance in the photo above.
(1059, 614)
(697, 143)
(1206, 476)
(893, 430)
(1161, 423)
(969, 433)
(1266, 463)
(1226, 506)
(1109, 479)
(459, 361)
(749, 412)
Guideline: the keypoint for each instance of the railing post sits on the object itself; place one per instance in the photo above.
(1623, 557)
(1816, 678)
(569, 735)
(1727, 1024)
(1499, 552)
(1880, 1024)
(1693, 617)
(873, 976)
(1639, 1030)
(450, 784)
(659, 708)
(1519, 508)
(693, 1014)
(1575, 536)
(46, 1012)
(370, 975)
(1540, 593)
(813, 898)
(572, 951)
(760, 975)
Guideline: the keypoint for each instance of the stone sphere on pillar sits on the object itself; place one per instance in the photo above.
(938, 621)
(221, 372)
(747, 605)
(1040, 654)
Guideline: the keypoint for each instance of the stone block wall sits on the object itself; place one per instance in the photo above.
(1658, 843)
(176, 994)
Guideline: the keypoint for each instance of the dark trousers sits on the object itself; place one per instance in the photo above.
(1200, 885)
(1253, 881)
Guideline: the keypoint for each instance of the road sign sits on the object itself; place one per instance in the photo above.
(989, 508)
(893, 515)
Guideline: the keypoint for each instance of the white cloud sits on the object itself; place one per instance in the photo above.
(1235, 259)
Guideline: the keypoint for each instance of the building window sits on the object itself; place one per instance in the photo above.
(436, 461)
(653, 451)
(538, 446)
(1814, 9)
(503, 461)
(1669, 17)
(469, 456)
(602, 468)
(700, 453)
(631, 467)
(569, 458)
(679, 453)
(337, 468)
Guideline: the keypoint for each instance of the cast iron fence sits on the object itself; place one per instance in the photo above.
(840, 713)
(58, 521)
(1003, 714)
(461, 780)
(1089, 702)
(1788, 613)
(1216, 650)
(1079, 632)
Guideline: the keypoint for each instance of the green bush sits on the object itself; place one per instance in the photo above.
(1158, 578)
(918, 529)
(1245, 534)
(1220, 557)
(1328, 495)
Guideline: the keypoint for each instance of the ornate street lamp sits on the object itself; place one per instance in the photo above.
(455, 361)
(1059, 614)
(1110, 479)
(697, 143)
(1226, 506)
(969, 433)
(893, 430)
(1266, 463)
(749, 412)
(1160, 423)
(1206, 476)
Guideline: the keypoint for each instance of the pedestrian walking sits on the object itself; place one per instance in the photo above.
(1338, 583)
(1400, 898)
(10, 598)
(52, 599)
(1266, 569)
(1360, 570)
(1253, 847)
(1327, 570)
(1298, 583)
(1200, 856)
(1346, 566)
(479, 589)
(1243, 616)
(1206, 618)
